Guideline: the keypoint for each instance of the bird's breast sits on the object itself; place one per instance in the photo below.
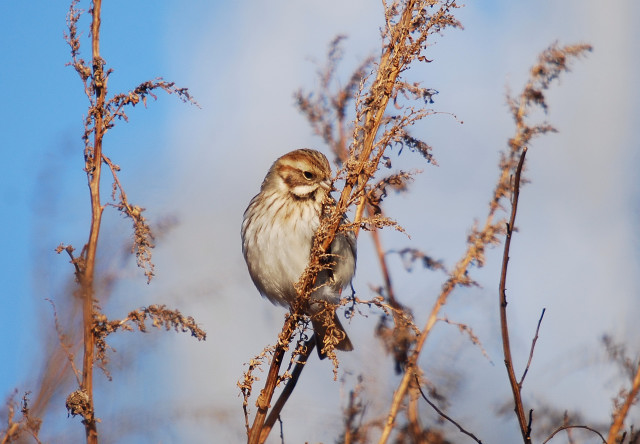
(277, 246)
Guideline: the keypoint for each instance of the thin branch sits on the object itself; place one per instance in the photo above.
(533, 345)
(569, 427)
(266, 394)
(414, 427)
(143, 239)
(444, 415)
(76, 261)
(274, 414)
(94, 165)
(375, 235)
(508, 361)
(476, 245)
(400, 50)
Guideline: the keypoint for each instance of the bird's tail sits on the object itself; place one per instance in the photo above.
(329, 330)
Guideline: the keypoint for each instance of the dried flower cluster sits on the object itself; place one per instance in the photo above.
(100, 118)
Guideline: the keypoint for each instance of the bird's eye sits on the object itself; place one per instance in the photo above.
(307, 175)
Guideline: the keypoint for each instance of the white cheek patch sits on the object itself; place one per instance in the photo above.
(304, 190)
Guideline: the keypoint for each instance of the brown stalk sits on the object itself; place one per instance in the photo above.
(570, 427)
(99, 119)
(274, 414)
(413, 415)
(377, 242)
(266, 394)
(391, 64)
(622, 412)
(401, 391)
(525, 427)
(533, 346)
(444, 415)
(93, 174)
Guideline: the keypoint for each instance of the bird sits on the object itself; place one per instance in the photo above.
(278, 228)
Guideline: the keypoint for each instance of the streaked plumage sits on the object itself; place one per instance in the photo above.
(278, 229)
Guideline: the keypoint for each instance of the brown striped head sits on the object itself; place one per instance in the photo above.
(301, 173)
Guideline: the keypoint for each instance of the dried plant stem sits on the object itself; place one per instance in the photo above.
(274, 414)
(377, 242)
(457, 277)
(444, 415)
(525, 428)
(410, 372)
(622, 412)
(13, 428)
(86, 273)
(266, 394)
(533, 346)
(413, 416)
(390, 65)
(569, 427)
(94, 168)
(99, 119)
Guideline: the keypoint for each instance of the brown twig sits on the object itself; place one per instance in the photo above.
(274, 414)
(406, 39)
(390, 294)
(143, 237)
(413, 415)
(444, 415)
(458, 277)
(533, 346)
(75, 261)
(508, 361)
(264, 400)
(551, 63)
(569, 427)
(475, 248)
(399, 52)
(94, 168)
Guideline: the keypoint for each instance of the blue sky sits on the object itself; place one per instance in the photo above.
(577, 252)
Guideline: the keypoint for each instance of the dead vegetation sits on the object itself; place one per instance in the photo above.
(359, 127)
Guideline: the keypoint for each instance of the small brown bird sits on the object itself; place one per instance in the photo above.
(277, 234)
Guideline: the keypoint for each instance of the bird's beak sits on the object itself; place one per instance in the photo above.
(326, 184)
